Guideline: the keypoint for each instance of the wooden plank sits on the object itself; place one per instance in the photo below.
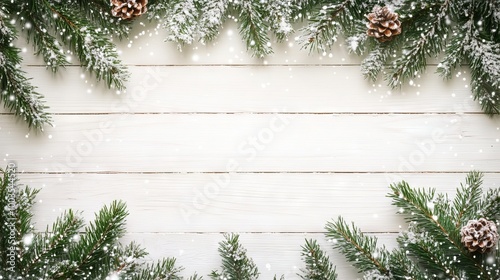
(278, 254)
(286, 202)
(257, 143)
(317, 89)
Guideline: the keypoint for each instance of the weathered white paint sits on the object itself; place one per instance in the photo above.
(211, 140)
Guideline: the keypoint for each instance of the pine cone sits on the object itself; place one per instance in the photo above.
(383, 24)
(479, 235)
(128, 9)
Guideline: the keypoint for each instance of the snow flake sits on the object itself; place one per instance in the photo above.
(28, 239)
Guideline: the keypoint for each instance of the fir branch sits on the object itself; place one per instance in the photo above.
(304, 8)
(54, 242)
(425, 37)
(279, 16)
(9, 233)
(467, 199)
(17, 94)
(16, 218)
(211, 17)
(90, 43)
(484, 57)
(428, 211)
(33, 19)
(455, 55)
(253, 28)
(487, 12)
(322, 31)
(196, 277)
(490, 205)
(318, 265)
(323, 28)
(164, 269)
(86, 256)
(181, 22)
(402, 267)
(26, 200)
(433, 213)
(61, 252)
(357, 38)
(359, 249)
(474, 40)
(98, 11)
(431, 257)
(375, 62)
(124, 260)
(235, 262)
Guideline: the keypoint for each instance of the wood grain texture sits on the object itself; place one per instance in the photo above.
(212, 140)
(258, 143)
(254, 89)
(254, 202)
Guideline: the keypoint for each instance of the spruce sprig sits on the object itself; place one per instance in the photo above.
(428, 255)
(467, 200)
(182, 24)
(98, 11)
(17, 93)
(432, 245)
(490, 205)
(235, 262)
(47, 248)
(93, 248)
(212, 16)
(328, 20)
(424, 38)
(33, 19)
(164, 269)
(91, 44)
(359, 249)
(65, 251)
(402, 267)
(253, 27)
(318, 265)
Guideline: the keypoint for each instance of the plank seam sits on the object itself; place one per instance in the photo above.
(247, 172)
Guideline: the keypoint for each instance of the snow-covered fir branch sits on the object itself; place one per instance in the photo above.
(212, 16)
(181, 22)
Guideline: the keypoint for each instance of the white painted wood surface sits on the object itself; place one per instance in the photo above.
(211, 140)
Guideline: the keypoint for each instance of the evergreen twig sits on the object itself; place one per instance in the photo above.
(359, 249)
(431, 247)
(318, 265)
(235, 262)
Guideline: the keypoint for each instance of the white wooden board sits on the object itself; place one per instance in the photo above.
(257, 143)
(253, 202)
(253, 89)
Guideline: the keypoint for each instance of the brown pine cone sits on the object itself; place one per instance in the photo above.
(128, 9)
(479, 235)
(383, 24)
